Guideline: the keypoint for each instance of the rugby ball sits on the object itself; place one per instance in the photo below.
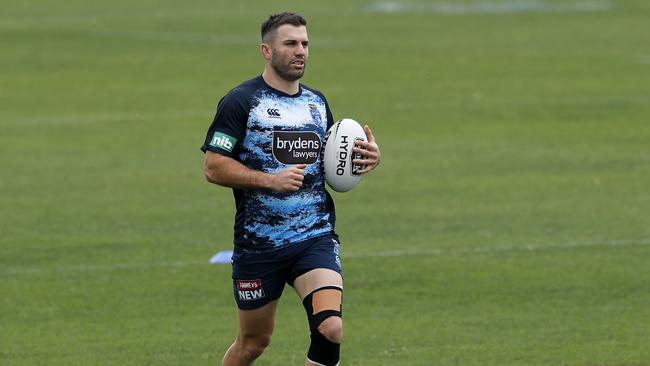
(340, 174)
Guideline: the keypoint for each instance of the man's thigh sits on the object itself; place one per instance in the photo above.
(315, 279)
(257, 323)
(318, 266)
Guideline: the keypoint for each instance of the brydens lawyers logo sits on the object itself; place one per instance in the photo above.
(296, 147)
(249, 289)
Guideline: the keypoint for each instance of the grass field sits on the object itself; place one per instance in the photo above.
(509, 222)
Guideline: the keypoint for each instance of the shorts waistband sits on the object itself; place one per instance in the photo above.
(240, 249)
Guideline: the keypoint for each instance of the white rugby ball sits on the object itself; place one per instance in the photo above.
(340, 173)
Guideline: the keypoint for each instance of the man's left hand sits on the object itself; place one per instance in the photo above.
(369, 150)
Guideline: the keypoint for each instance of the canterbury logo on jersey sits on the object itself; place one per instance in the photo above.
(273, 112)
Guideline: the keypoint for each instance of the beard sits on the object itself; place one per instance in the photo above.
(285, 71)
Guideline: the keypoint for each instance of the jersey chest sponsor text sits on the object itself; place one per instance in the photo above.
(296, 147)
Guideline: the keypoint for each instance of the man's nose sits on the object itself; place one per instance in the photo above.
(301, 50)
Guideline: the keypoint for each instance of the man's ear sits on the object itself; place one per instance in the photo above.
(265, 49)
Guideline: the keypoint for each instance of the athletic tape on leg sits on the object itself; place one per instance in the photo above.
(321, 304)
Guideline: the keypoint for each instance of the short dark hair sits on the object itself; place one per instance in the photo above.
(276, 20)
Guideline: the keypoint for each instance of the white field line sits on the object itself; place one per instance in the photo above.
(574, 101)
(490, 7)
(501, 249)
(82, 268)
(107, 267)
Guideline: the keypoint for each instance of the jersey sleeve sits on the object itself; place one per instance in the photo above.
(229, 125)
(330, 118)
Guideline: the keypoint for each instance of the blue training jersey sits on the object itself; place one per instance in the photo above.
(268, 130)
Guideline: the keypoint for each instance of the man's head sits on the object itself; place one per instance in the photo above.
(284, 45)
(271, 25)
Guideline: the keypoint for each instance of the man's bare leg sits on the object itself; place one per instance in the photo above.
(255, 328)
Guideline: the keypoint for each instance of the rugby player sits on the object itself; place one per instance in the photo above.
(264, 143)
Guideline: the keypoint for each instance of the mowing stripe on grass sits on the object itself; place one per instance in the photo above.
(208, 38)
(391, 253)
(112, 117)
(478, 101)
(190, 37)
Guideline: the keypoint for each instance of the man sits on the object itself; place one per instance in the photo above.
(284, 225)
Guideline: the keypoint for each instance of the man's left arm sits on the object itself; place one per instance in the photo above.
(369, 150)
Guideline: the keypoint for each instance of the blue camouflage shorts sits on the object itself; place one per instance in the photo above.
(260, 277)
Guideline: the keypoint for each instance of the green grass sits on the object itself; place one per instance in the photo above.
(507, 225)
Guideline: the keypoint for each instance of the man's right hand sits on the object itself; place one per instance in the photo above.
(228, 172)
(288, 180)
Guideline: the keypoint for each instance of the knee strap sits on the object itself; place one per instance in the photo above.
(322, 351)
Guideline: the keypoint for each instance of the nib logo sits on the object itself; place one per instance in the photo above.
(223, 141)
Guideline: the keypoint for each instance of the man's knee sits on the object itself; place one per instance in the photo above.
(252, 348)
(332, 329)
(323, 307)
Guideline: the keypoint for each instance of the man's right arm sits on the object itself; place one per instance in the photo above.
(228, 172)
